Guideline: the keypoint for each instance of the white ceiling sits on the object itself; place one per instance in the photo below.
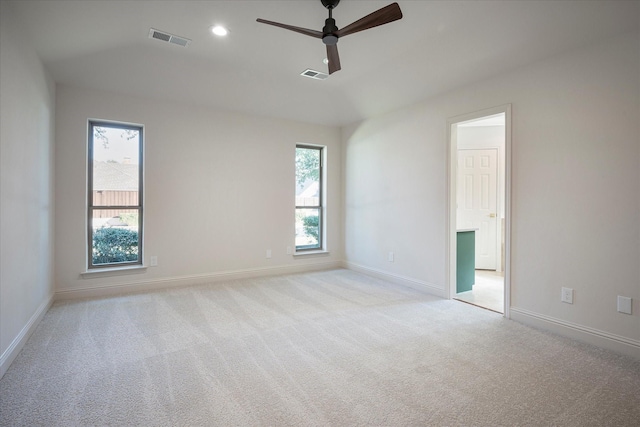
(437, 46)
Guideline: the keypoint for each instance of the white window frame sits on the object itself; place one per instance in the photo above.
(92, 123)
(299, 250)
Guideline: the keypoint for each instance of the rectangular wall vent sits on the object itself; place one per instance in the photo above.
(313, 74)
(169, 38)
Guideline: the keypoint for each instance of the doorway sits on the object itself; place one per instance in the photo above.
(479, 208)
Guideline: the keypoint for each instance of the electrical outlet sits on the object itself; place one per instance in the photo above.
(153, 261)
(268, 253)
(624, 305)
(390, 257)
(567, 295)
(288, 250)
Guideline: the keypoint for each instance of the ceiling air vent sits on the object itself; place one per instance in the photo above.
(313, 74)
(169, 38)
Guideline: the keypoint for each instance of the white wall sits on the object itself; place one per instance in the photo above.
(219, 192)
(576, 189)
(480, 136)
(26, 171)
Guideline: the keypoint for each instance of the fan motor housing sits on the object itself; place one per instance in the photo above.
(329, 37)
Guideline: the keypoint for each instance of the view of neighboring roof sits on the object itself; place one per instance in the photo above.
(115, 176)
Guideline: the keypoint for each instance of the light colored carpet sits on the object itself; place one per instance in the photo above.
(326, 348)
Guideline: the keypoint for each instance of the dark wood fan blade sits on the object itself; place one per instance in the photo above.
(379, 17)
(334, 58)
(305, 31)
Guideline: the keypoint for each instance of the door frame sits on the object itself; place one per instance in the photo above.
(452, 195)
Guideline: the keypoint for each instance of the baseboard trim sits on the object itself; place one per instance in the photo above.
(18, 343)
(616, 343)
(397, 279)
(199, 279)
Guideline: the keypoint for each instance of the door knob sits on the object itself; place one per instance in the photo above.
(492, 215)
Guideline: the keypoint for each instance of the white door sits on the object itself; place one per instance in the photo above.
(478, 202)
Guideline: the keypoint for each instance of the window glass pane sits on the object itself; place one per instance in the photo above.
(307, 176)
(115, 237)
(307, 228)
(116, 162)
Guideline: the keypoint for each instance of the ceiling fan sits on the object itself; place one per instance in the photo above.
(331, 33)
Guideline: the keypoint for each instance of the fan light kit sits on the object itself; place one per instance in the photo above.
(330, 34)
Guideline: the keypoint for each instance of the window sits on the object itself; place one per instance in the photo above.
(309, 194)
(114, 202)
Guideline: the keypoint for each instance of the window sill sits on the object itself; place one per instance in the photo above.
(311, 253)
(114, 271)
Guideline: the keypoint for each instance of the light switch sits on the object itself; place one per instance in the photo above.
(624, 305)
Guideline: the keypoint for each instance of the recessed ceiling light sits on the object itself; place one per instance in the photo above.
(219, 30)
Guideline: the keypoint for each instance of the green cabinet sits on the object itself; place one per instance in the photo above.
(466, 260)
